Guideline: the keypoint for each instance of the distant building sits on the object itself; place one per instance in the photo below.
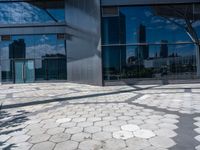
(164, 49)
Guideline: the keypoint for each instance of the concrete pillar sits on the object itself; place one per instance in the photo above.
(198, 59)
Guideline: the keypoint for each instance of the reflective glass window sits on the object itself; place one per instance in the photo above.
(32, 12)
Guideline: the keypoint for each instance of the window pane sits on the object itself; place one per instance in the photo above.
(31, 12)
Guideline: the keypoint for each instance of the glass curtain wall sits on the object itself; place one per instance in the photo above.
(24, 12)
(48, 53)
(157, 41)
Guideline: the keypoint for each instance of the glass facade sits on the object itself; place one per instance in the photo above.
(47, 52)
(158, 41)
(51, 11)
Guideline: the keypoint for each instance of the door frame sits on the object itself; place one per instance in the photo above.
(14, 69)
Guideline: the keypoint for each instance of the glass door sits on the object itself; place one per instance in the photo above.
(24, 71)
(29, 71)
(19, 71)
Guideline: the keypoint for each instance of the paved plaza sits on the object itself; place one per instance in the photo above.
(66, 116)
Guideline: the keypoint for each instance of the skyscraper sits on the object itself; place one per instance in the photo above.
(164, 49)
(142, 52)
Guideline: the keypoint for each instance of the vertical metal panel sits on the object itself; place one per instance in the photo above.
(84, 44)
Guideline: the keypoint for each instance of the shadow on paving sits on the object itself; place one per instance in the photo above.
(73, 98)
(8, 120)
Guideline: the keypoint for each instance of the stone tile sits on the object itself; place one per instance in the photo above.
(118, 122)
(85, 124)
(4, 137)
(168, 126)
(137, 143)
(22, 146)
(67, 145)
(123, 135)
(43, 146)
(54, 131)
(63, 120)
(144, 134)
(92, 129)
(102, 123)
(130, 127)
(74, 130)
(79, 137)
(94, 119)
(18, 139)
(68, 124)
(39, 138)
(165, 133)
(114, 144)
(61, 137)
(197, 130)
(36, 131)
(90, 145)
(197, 138)
(111, 128)
(79, 119)
(102, 136)
(162, 142)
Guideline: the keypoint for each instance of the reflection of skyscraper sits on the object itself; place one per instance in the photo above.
(164, 49)
(142, 52)
(17, 49)
(116, 34)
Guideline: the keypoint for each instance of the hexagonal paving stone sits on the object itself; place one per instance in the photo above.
(67, 145)
(118, 122)
(197, 130)
(102, 136)
(21, 146)
(79, 119)
(145, 134)
(102, 123)
(137, 143)
(79, 137)
(169, 120)
(162, 142)
(85, 124)
(114, 144)
(197, 118)
(61, 137)
(94, 119)
(39, 138)
(90, 145)
(149, 126)
(50, 125)
(92, 129)
(123, 135)
(4, 137)
(168, 126)
(63, 120)
(197, 138)
(130, 127)
(197, 147)
(165, 133)
(43, 146)
(197, 124)
(68, 124)
(111, 128)
(18, 139)
(74, 130)
(36, 131)
(56, 130)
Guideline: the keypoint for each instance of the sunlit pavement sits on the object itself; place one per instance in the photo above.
(82, 117)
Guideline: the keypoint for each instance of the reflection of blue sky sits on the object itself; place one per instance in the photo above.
(157, 28)
(23, 12)
(36, 46)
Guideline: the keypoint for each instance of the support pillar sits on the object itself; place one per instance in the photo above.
(198, 59)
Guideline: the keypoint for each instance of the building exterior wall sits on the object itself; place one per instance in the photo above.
(84, 44)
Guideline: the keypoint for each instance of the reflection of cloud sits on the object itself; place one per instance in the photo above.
(148, 13)
(196, 24)
(21, 12)
(157, 20)
(44, 38)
